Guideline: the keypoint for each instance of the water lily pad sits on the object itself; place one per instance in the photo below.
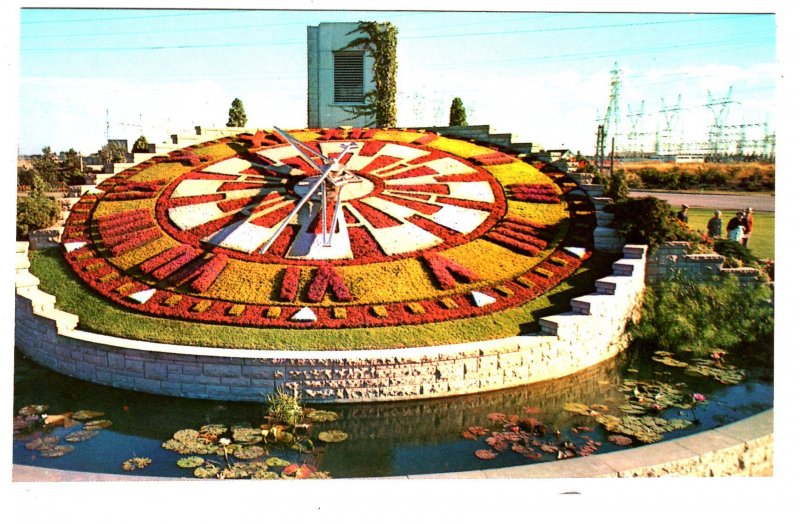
(213, 429)
(194, 447)
(715, 369)
(235, 472)
(33, 409)
(136, 463)
(318, 415)
(56, 451)
(469, 435)
(190, 462)
(208, 471)
(97, 424)
(668, 360)
(85, 414)
(485, 454)
(548, 448)
(40, 443)
(577, 407)
(333, 435)
(620, 440)
(249, 452)
(81, 436)
(186, 435)
(478, 430)
(265, 475)
(56, 420)
(247, 435)
(275, 462)
(496, 417)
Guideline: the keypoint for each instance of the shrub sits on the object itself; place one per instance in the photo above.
(37, 211)
(648, 221)
(681, 314)
(736, 255)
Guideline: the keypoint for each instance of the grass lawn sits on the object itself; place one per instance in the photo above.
(102, 316)
(762, 243)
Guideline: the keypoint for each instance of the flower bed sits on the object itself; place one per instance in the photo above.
(430, 234)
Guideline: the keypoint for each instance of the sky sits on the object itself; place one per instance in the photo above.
(85, 74)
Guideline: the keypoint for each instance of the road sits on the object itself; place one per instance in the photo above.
(758, 201)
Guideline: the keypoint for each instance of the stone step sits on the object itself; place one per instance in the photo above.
(596, 304)
(122, 166)
(40, 301)
(25, 279)
(21, 260)
(64, 321)
(22, 247)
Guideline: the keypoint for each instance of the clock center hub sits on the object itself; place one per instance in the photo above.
(357, 188)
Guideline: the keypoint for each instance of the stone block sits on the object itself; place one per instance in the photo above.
(600, 304)
(635, 251)
(155, 370)
(222, 370)
(65, 322)
(25, 279)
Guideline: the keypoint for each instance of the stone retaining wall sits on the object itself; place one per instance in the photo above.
(673, 258)
(592, 332)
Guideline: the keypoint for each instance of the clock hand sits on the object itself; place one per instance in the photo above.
(296, 209)
(327, 242)
(302, 149)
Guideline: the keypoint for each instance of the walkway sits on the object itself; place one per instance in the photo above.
(758, 201)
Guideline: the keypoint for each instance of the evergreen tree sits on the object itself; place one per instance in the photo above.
(141, 145)
(236, 114)
(36, 211)
(458, 115)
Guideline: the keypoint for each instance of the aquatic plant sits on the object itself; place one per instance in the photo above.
(283, 407)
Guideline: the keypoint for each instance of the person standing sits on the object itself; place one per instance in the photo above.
(714, 225)
(747, 222)
(735, 227)
(683, 214)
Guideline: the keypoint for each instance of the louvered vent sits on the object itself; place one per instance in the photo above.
(348, 76)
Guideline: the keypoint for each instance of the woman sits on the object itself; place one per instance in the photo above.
(735, 228)
(715, 225)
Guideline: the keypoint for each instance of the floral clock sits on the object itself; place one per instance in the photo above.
(329, 229)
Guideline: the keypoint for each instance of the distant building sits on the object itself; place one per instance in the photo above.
(338, 79)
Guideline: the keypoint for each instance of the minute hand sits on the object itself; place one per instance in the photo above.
(296, 209)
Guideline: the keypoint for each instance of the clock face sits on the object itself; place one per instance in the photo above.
(329, 229)
(403, 200)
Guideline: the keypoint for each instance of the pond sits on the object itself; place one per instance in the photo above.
(398, 438)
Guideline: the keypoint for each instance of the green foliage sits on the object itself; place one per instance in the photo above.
(112, 153)
(617, 188)
(141, 145)
(285, 408)
(648, 221)
(736, 255)
(381, 44)
(37, 211)
(458, 115)
(236, 114)
(703, 316)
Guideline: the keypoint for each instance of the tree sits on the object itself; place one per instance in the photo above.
(236, 114)
(458, 115)
(111, 153)
(141, 145)
(36, 211)
(617, 188)
(381, 44)
(70, 168)
(47, 168)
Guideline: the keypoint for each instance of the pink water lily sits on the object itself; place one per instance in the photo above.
(698, 397)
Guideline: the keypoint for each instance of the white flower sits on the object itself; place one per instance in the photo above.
(224, 441)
